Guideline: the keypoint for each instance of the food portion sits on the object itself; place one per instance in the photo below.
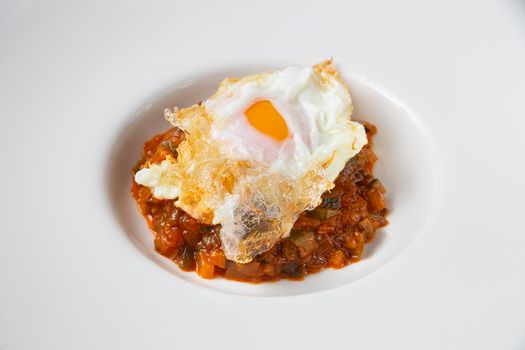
(268, 178)
(331, 235)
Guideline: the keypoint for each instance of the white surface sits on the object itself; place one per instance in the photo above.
(72, 77)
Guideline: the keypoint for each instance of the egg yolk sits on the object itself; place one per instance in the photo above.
(263, 116)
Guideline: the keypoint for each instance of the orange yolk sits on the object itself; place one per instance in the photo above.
(263, 116)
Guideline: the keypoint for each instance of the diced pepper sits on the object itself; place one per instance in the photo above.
(168, 242)
(354, 241)
(205, 268)
(218, 258)
(375, 199)
(337, 258)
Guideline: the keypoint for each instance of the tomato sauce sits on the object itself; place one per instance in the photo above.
(332, 235)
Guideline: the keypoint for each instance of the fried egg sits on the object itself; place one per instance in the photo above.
(257, 153)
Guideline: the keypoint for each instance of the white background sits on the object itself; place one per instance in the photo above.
(72, 74)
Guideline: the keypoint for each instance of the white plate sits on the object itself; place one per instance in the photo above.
(82, 85)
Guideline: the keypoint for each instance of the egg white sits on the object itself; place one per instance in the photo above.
(229, 173)
(317, 112)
